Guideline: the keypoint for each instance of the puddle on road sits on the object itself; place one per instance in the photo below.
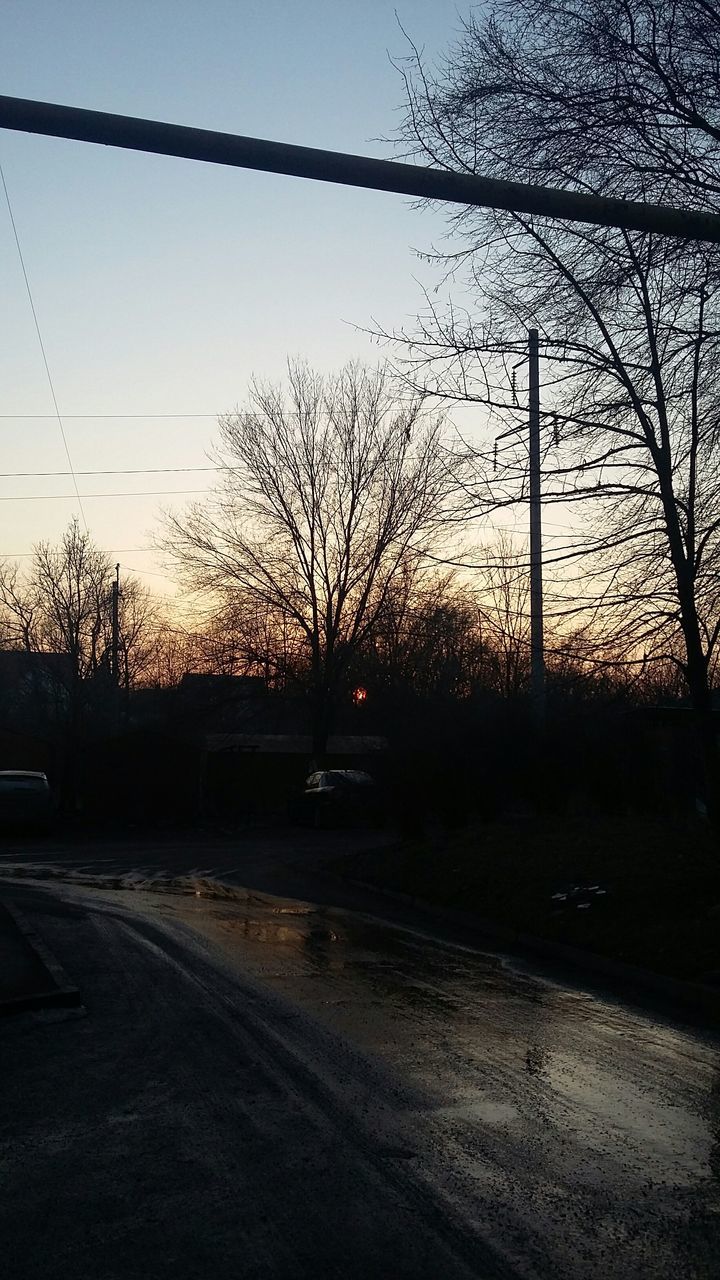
(275, 930)
(496, 1051)
(501, 1056)
(495, 1048)
(481, 1109)
(196, 884)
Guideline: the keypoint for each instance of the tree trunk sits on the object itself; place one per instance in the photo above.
(702, 704)
(705, 732)
(321, 723)
(696, 668)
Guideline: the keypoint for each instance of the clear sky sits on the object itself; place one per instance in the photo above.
(162, 284)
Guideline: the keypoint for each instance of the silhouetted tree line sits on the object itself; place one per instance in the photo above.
(444, 668)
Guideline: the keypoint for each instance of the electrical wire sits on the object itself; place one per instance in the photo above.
(67, 416)
(129, 471)
(42, 348)
(114, 551)
(57, 497)
(154, 573)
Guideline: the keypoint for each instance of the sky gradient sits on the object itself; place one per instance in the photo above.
(161, 284)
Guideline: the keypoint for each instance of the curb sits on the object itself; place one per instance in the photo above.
(60, 992)
(686, 997)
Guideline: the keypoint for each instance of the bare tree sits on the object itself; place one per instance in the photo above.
(245, 638)
(21, 626)
(139, 623)
(504, 606)
(428, 639)
(173, 651)
(328, 486)
(617, 97)
(62, 604)
(264, 641)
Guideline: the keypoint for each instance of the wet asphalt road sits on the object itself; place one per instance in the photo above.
(263, 1087)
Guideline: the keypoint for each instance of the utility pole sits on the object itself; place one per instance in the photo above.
(537, 655)
(115, 647)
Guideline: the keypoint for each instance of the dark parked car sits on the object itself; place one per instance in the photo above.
(25, 799)
(334, 797)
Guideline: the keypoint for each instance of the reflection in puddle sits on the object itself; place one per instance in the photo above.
(550, 1109)
(501, 1059)
(475, 1106)
(309, 935)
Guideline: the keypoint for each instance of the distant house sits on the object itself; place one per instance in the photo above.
(34, 686)
(34, 701)
(200, 703)
(211, 688)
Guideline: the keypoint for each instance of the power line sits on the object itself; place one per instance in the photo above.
(66, 416)
(114, 551)
(154, 573)
(158, 471)
(58, 497)
(134, 471)
(42, 347)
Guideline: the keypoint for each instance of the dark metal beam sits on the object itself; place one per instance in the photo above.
(134, 134)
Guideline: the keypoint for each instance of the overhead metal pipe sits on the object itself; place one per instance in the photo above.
(134, 134)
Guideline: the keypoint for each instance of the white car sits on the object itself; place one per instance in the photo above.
(25, 798)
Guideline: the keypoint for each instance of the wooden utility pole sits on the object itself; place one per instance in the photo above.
(537, 653)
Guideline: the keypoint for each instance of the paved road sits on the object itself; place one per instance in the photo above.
(270, 1088)
(275, 859)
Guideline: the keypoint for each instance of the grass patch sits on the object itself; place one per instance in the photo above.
(635, 889)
